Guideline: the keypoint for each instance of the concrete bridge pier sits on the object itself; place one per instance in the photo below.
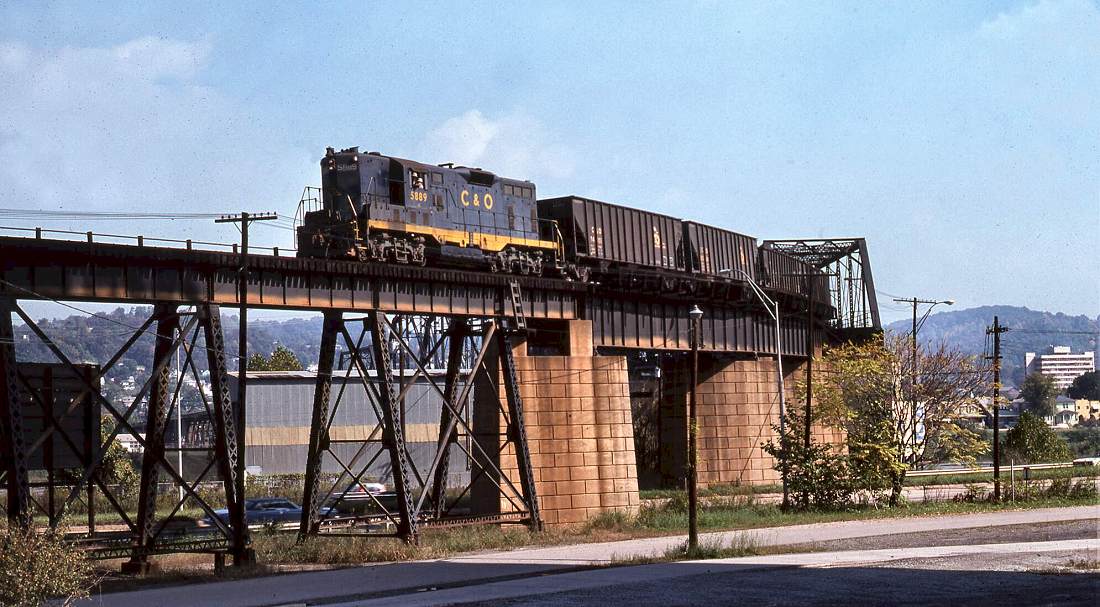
(579, 428)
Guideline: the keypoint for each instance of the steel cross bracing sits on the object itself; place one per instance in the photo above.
(420, 497)
(151, 527)
(846, 262)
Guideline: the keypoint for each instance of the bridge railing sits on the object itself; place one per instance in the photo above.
(141, 241)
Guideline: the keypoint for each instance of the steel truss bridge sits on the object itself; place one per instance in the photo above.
(424, 317)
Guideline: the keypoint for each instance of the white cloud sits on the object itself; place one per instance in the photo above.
(134, 127)
(513, 145)
(1057, 18)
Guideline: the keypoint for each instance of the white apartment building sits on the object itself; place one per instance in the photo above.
(1061, 364)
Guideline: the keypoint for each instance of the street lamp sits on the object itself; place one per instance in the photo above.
(772, 308)
(693, 435)
(932, 303)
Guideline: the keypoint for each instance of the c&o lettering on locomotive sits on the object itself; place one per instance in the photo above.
(477, 200)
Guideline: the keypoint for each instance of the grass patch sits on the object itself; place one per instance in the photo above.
(711, 491)
(718, 516)
(283, 549)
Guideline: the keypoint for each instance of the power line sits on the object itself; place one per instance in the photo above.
(97, 215)
(1055, 332)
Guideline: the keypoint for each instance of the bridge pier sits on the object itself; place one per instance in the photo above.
(579, 429)
(738, 401)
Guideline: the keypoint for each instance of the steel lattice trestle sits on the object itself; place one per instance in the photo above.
(152, 529)
(420, 497)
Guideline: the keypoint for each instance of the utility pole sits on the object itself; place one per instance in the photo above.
(913, 362)
(809, 362)
(693, 436)
(238, 523)
(996, 331)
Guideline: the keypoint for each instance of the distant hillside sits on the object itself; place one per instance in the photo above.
(1030, 331)
(97, 338)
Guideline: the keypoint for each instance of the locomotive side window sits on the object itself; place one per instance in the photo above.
(416, 179)
(437, 178)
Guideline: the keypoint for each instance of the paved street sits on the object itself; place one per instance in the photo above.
(540, 567)
(997, 574)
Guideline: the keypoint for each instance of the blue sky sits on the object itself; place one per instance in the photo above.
(962, 139)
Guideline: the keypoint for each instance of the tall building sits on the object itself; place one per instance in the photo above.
(1061, 364)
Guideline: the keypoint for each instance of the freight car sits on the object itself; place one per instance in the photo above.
(711, 251)
(385, 209)
(605, 237)
(788, 274)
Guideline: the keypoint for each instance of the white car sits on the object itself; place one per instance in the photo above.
(1086, 461)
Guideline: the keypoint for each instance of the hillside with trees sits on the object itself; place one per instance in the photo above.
(1029, 331)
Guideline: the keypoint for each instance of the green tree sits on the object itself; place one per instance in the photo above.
(1085, 386)
(1039, 392)
(1084, 440)
(257, 362)
(118, 467)
(282, 359)
(868, 390)
(1032, 441)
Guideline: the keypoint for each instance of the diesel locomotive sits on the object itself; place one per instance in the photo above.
(382, 209)
(385, 209)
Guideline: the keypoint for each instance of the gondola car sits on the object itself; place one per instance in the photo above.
(385, 209)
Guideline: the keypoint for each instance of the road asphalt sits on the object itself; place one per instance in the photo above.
(538, 567)
(863, 577)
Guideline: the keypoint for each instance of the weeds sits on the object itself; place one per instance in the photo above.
(1083, 564)
(282, 548)
(37, 566)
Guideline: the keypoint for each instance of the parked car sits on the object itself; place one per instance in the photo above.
(362, 488)
(1086, 461)
(364, 498)
(268, 510)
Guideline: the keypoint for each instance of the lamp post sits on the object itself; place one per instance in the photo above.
(772, 307)
(913, 356)
(693, 435)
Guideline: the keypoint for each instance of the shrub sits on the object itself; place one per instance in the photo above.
(816, 476)
(1031, 440)
(37, 566)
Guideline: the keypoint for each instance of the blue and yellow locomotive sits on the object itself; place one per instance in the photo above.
(384, 209)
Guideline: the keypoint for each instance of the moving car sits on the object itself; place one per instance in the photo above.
(268, 510)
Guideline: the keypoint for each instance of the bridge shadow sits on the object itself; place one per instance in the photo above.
(954, 582)
(717, 584)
